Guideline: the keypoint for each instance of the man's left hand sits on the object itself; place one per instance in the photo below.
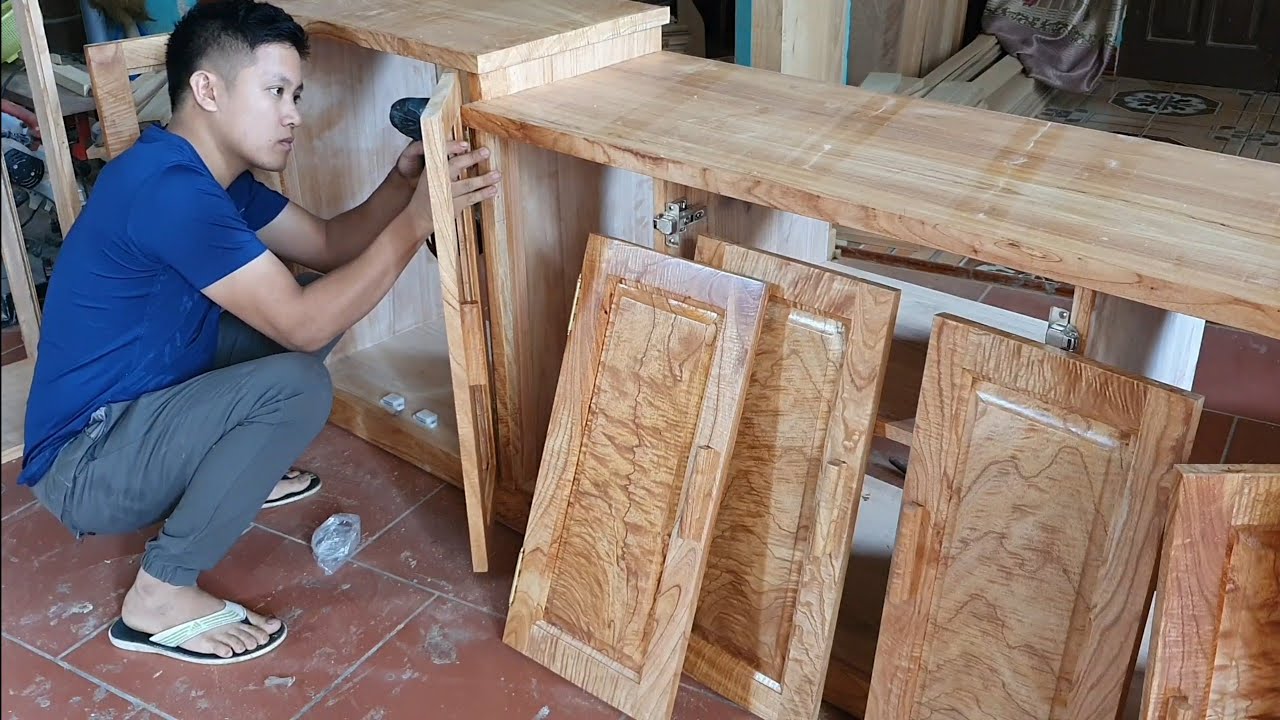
(411, 162)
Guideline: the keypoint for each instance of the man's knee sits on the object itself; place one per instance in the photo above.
(304, 381)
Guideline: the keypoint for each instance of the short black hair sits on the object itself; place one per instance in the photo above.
(225, 26)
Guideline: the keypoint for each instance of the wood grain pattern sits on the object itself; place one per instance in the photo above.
(17, 386)
(1216, 643)
(767, 608)
(807, 38)
(1032, 511)
(477, 36)
(462, 293)
(1098, 210)
(645, 418)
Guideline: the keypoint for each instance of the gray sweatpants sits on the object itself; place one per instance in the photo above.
(202, 456)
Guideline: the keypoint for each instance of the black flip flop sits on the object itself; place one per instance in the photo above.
(166, 643)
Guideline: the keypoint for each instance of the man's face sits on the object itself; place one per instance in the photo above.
(261, 108)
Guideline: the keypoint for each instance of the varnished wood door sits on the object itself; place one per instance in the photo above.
(645, 417)
(1228, 43)
(463, 316)
(1038, 487)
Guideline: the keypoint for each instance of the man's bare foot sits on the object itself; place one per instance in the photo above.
(152, 606)
(292, 482)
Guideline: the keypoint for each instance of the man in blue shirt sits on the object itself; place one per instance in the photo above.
(181, 369)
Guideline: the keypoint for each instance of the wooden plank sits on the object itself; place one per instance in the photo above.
(1216, 645)
(17, 266)
(645, 417)
(964, 65)
(1037, 491)
(1102, 211)
(570, 63)
(48, 108)
(16, 378)
(767, 608)
(805, 38)
(117, 112)
(144, 54)
(72, 78)
(463, 315)
(477, 36)
(944, 32)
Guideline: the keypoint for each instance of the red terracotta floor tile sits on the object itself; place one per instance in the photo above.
(334, 621)
(1027, 302)
(1239, 373)
(36, 687)
(14, 496)
(358, 478)
(1211, 437)
(430, 546)
(57, 592)
(695, 702)
(450, 662)
(1254, 442)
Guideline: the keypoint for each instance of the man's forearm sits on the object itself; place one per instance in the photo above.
(347, 235)
(333, 303)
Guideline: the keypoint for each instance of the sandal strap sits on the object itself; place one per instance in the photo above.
(230, 614)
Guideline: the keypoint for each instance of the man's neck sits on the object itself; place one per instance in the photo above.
(223, 167)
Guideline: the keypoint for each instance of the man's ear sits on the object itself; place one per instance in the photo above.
(204, 90)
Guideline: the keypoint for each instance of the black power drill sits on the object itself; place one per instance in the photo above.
(406, 116)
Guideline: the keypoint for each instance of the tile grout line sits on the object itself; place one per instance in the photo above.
(91, 678)
(85, 640)
(1231, 436)
(363, 658)
(18, 510)
(441, 593)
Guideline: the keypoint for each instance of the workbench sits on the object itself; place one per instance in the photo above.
(598, 131)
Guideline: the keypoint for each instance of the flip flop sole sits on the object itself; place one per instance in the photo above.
(126, 638)
(312, 488)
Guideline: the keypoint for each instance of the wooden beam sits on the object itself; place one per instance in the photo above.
(17, 266)
(44, 91)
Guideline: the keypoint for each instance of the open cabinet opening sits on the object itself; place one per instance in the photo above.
(399, 350)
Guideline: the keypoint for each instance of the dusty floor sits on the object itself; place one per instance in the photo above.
(406, 630)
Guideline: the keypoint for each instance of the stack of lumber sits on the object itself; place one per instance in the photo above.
(980, 75)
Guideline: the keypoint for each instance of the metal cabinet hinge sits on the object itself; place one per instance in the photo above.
(677, 218)
(1061, 333)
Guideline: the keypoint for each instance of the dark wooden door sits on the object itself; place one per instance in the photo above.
(1228, 43)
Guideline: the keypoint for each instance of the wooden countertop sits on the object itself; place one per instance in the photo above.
(476, 35)
(1183, 229)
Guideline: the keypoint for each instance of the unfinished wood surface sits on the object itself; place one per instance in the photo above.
(805, 38)
(17, 385)
(340, 156)
(415, 365)
(113, 95)
(1103, 211)
(567, 64)
(646, 412)
(775, 569)
(1038, 487)
(964, 65)
(1216, 645)
(48, 108)
(463, 315)
(17, 267)
(479, 35)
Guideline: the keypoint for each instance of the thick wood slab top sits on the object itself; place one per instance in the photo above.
(474, 35)
(1183, 229)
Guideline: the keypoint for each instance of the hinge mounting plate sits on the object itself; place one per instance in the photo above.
(676, 219)
(1061, 333)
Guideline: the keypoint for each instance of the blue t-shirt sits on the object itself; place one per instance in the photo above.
(124, 314)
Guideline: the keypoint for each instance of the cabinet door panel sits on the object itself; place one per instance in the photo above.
(1034, 500)
(1216, 646)
(766, 613)
(458, 252)
(644, 419)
